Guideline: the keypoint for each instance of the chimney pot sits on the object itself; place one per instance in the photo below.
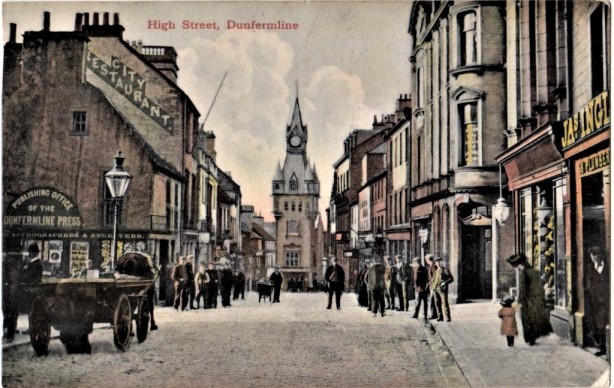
(116, 19)
(105, 19)
(13, 35)
(46, 20)
(96, 19)
(78, 21)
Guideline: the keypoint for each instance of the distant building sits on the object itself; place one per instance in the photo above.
(296, 194)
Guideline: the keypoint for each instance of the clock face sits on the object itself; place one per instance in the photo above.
(295, 141)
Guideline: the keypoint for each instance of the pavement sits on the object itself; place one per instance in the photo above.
(481, 352)
(471, 351)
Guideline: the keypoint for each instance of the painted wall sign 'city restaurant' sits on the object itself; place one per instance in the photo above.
(131, 85)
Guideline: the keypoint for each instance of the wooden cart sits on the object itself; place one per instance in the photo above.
(72, 306)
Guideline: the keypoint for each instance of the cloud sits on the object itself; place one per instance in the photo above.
(252, 108)
(255, 105)
(334, 106)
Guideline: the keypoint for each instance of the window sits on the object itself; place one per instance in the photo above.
(468, 39)
(419, 89)
(300, 206)
(293, 206)
(169, 205)
(79, 123)
(107, 205)
(294, 228)
(560, 272)
(468, 114)
(292, 258)
(286, 205)
(598, 51)
(293, 186)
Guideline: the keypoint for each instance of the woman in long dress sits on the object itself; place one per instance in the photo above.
(533, 312)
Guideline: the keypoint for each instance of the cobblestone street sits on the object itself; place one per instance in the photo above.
(297, 342)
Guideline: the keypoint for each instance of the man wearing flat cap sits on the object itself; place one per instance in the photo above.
(441, 279)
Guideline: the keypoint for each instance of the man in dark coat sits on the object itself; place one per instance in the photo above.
(598, 286)
(376, 284)
(277, 279)
(239, 288)
(421, 280)
(213, 286)
(335, 276)
(190, 286)
(227, 280)
(180, 277)
(10, 287)
(399, 276)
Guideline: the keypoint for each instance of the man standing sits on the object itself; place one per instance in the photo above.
(335, 276)
(399, 275)
(180, 277)
(421, 280)
(190, 288)
(441, 279)
(598, 282)
(239, 286)
(201, 281)
(212, 289)
(376, 285)
(227, 279)
(277, 280)
(10, 288)
(433, 297)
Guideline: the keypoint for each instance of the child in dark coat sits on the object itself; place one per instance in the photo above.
(508, 320)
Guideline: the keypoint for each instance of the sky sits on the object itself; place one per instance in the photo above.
(347, 61)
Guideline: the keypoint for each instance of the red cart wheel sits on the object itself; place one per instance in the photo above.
(142, 319)
(39, 326)
(122, 323)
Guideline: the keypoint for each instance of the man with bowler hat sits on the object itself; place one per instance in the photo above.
(335, 276)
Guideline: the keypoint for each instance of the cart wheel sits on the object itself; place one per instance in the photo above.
(142, 320)
(40, 326)
(122, 322)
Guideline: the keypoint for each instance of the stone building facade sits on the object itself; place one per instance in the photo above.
(459, 125)
(296, 194)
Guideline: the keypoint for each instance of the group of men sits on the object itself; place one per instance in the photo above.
(379, 284)
(190, 287)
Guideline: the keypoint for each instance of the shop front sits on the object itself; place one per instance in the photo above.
(51, 219)
(537, 177)
(584, 140)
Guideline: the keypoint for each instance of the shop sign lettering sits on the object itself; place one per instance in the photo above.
(42, 208)
(131, 85)
(595, 162)
(594, 117)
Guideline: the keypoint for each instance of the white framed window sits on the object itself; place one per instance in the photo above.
(291, 258)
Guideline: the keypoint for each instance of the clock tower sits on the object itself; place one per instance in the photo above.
(296, 133)
(296, 193)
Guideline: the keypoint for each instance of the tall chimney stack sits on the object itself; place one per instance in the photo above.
(86, 19)
(115, 19)
(46, 20)
(96, 19)
(13, 32)
(78, 21)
